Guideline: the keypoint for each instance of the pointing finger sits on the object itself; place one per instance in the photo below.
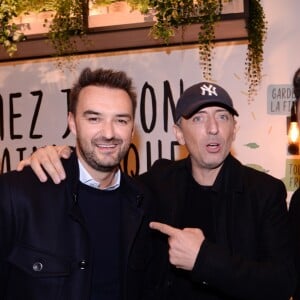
(164, 228)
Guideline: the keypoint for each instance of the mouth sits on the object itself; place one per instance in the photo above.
(213, 147)
(106, 148)
(110, 146)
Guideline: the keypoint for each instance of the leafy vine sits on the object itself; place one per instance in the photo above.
(257, 31)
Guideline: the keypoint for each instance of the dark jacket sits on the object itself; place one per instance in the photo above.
(252, 257)
(294, 214)
(44, 246)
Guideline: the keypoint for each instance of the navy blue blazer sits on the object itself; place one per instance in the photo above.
(44, 246)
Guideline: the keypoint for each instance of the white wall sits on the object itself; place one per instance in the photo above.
(257, 126)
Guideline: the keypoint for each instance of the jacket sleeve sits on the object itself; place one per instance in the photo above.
(294, 215)
(267, 273)
(6, 232)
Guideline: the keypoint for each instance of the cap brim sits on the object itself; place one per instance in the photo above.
(206, 103)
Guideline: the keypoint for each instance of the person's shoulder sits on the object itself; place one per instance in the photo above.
(164, 164)
(257, 181)
(295, 200)
(255, 178)
(19, 180)
(163, 171)
(259, 175)
(17, 175)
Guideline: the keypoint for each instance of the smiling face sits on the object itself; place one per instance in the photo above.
(208, 136)
(103, 126)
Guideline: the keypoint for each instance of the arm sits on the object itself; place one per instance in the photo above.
(184, 244)
(294, 215)
(47, 160)
(258, 266)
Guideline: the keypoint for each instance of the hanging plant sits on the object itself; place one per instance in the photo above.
(172, 14)
(211, 13)
(10, 34)
(69, 20)
(257, 31)
(141, 5)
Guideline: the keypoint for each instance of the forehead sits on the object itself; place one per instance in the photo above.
(212, 109)
(104, 98)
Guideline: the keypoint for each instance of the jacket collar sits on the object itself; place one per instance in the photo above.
(230, 174)
(228, 187)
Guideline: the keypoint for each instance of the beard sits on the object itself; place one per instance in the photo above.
(90, 156)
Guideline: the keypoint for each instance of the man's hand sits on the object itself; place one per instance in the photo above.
(184, 244)
(47, 160)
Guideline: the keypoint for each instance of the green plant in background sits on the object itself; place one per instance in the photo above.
(257, 31)
(172, 14)
(141, 5)
(211, 13)
(70, 19)
(10, 34)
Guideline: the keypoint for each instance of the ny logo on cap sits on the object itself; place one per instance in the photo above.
(211, 90)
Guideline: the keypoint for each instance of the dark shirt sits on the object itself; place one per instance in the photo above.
(197, 213)
(101, 212)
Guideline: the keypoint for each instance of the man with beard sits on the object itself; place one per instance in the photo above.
(86, 238)
(221, 228)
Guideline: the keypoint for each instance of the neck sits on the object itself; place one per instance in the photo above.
(105, 178)
(205, 177)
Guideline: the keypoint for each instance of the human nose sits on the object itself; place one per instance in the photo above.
(107, 129)
(212, 126)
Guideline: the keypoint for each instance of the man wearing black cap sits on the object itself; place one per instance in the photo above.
(222, 228)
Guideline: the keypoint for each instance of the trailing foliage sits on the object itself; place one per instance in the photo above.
(257, 31)
(68, 21)
(70, 18)
(172, 14)
(10, 34)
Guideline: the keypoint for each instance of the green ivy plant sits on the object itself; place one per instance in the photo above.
(70, 18)
(10, 34)
(257, 31)
(172, 14)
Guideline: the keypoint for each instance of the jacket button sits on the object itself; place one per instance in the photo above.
(83, 264)
(37, 266)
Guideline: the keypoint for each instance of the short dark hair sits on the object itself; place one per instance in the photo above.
(296, 84)
(103, 78)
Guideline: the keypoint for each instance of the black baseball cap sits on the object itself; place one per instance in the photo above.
(201, 95)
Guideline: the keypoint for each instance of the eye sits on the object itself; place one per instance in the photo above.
(122, 121)
(223, 116)
(93, 120)
(199, 118)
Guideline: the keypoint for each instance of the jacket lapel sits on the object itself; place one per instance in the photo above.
(229, 187)
(131, 218)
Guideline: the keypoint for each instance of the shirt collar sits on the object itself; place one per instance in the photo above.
(87, 179)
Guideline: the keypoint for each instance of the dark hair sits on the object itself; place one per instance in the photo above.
(296, 84)
(101, 77)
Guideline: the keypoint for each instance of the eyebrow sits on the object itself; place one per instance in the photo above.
(120, 115)
(219, 109)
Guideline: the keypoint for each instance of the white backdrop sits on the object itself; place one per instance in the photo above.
(33, 102)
